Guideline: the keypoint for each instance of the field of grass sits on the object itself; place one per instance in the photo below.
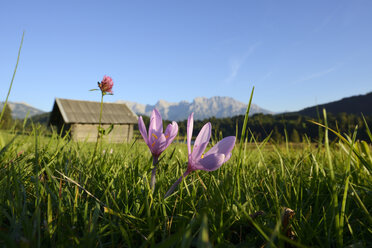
(53, 194)
(59, 193)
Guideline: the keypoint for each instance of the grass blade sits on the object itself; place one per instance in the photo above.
(11, 82)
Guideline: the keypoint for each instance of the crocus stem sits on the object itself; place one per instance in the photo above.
(153, 173)
(174, 186)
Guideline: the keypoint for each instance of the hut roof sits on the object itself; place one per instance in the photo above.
(75, 111)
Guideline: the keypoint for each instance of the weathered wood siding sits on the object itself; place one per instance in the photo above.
(81, 118)
(88, 132)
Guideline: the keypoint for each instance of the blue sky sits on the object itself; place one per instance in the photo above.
(295, 53)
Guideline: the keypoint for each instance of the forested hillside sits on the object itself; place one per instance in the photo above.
(294, 126)
(350, 105)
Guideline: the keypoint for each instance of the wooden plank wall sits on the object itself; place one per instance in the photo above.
(88, 132)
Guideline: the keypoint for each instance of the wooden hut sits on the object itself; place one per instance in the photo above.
(81, 119)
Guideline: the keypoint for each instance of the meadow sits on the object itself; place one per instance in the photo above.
(52, 193)
(55, 192)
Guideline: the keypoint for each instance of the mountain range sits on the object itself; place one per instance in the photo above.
(218, 107)
(202, 107)
(21, 109)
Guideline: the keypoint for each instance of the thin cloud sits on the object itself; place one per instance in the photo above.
(328, 18)
(324, 23)
(266, 76)
(236, 63)
(234, 69)
(316, 75)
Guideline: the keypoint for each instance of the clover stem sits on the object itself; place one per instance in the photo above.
(100, 119)
(99, 128)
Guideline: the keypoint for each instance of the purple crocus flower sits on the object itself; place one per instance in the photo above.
(211, 160)
(156, 140)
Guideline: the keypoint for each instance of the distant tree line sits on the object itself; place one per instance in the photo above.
(291, 127)
(8, 122)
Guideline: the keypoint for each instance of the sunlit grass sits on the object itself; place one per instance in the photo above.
(55, 192)
(51, 195)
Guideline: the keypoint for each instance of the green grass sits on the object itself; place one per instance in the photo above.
(56, 193)
(52, 195)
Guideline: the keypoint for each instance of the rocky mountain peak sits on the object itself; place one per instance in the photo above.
(203, 107)
(21, 109)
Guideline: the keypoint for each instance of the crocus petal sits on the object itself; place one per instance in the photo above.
(204, 134)
(171, 132)
(227, 157)
(201, 141)
(142, 129)
(154, 137)
(198, 151)
(224, 146)
(156, 123)
(190, 125)
(159, 145)
(211, 162)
